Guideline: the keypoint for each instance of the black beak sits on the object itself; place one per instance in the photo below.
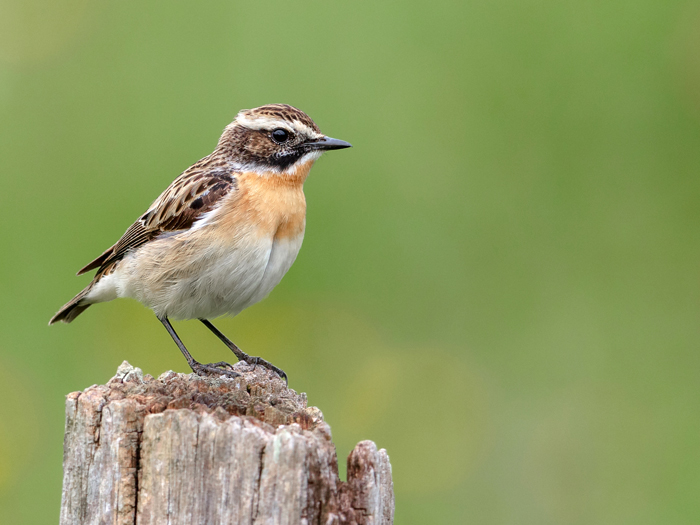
(327, 143)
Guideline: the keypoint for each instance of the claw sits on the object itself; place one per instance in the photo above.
(255, 361)
(220, 368)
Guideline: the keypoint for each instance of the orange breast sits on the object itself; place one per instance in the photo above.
(268, 205)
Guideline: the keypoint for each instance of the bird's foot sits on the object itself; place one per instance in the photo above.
(221, 368)
(255, 361)
(241, 355)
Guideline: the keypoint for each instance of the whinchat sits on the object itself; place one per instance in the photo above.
(222, 235)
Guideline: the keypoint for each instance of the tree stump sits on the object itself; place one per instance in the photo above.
(184, 449)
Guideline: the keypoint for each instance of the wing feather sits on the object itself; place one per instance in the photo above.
(198, 190)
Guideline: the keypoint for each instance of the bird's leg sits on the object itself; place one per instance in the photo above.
(197, 368)
(241, 355)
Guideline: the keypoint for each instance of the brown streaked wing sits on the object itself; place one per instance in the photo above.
(189, 196)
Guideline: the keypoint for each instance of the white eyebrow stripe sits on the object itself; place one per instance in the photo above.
(260, 123)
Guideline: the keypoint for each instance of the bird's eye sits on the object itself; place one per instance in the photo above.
(280, 136)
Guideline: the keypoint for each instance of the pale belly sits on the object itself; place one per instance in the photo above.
(180, 280)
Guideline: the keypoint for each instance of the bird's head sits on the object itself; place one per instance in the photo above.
(275, 138)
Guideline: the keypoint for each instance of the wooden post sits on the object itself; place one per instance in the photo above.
(183, 449)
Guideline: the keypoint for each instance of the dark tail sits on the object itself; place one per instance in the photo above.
(72, 308)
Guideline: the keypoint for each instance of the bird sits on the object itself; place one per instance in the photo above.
(222, 234)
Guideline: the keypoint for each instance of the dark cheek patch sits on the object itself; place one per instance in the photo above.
(256, 147)
(284, 161)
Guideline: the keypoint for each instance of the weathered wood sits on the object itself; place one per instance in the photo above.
(182, 449)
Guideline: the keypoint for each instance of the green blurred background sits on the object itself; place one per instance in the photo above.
(499, 283)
